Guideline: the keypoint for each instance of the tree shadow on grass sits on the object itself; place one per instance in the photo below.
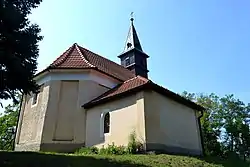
(33, 159)
(227, 162)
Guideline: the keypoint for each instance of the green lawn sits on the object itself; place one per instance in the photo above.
(32, 159)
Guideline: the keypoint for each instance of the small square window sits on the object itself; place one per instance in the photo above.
(127, 62)
(132, 59)
(35, 97)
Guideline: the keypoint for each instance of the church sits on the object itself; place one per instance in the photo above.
(87, 100)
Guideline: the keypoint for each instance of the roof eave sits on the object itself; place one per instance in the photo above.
(40, 74)
(108, 99)
(94, 68)
(133, 49)
(151, 86)
(48, 69)
(176, 97)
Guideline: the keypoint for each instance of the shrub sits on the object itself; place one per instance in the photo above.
(134, 146)
(87, 150)
(112, 149)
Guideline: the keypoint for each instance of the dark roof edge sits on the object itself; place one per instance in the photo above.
(133, 49)
(176, 97)
(150, 86)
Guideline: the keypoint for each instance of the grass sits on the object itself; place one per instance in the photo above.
(34, 159)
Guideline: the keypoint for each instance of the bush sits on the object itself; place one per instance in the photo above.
(134, 146)
(112, 149)
(87, 150)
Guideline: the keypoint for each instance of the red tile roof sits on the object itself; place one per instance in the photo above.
(122, 88)
(134, 85)
(77, 57)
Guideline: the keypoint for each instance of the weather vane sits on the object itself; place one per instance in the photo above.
(132, 16)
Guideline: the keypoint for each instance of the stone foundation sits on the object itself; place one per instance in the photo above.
(49, 147)
(27, 147)
(61, 147)
(72, 147)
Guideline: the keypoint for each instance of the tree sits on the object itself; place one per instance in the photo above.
(18, 48)
(8, 123)
(225, 124)
(235, 116)
(209, 122)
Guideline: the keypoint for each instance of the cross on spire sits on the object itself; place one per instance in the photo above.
(132, 16)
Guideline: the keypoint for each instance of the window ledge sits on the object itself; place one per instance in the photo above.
(107, 134)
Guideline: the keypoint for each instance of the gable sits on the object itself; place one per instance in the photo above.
(77, 57)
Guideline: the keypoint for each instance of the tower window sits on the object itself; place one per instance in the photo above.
(106, 123)
(129, 45)
(127, 61)
(132, 59)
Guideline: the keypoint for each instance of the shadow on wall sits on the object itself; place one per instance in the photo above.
(16, 159)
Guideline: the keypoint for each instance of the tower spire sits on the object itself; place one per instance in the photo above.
(133, 57)
(132, 41)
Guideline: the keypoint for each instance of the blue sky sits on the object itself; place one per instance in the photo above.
(194, 45)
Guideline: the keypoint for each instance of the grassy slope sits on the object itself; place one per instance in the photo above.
(29, 159)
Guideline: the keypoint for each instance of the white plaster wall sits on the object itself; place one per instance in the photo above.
(126, 117)
(171, 123)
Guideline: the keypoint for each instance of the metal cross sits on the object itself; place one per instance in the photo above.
(132, 16)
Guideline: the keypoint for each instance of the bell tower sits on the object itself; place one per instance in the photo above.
(133, 57)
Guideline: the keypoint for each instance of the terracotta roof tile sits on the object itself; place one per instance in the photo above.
(79, 57)
(135, 84)
(107, 65)
(122, 88)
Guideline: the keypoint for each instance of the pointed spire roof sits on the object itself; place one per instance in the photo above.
(132, 41)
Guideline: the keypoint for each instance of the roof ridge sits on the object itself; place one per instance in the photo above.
(139, 77)
(84, 59)
(88, 50)
(64, 56)
(144, 79)
(130, 79)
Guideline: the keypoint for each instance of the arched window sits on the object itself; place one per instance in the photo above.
(106, 122)
(35, 98)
